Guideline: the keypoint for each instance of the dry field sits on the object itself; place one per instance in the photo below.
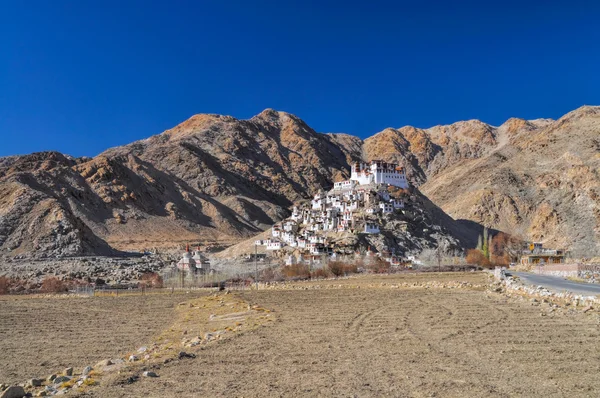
(357, 337)
(40, 336)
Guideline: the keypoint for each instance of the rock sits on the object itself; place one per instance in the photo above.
(51, 378)
(102, 364)
(33, 383)
(86, 371)
(149, 374)
(133, 358)
(13, 392)
(68, 372)
(141, 350)
(41, 393)
(3, 387)
(61, 379)
(183, 354)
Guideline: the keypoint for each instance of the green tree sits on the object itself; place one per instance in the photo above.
(485, 248)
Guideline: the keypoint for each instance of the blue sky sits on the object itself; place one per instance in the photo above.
(83, 76)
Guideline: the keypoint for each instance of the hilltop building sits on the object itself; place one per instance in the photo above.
(378, 172)
(354, 206)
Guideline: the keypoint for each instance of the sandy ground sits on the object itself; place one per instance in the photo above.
(368, 339)
(40, 336)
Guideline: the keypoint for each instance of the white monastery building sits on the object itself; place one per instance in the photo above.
(378, 172)
(355, 205)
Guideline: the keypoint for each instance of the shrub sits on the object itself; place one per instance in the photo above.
(151, 279)
(4, 284)
(379, 266)
(296, 271)
(339, 268)
(52, 284)
(476, 257)
(320, 273)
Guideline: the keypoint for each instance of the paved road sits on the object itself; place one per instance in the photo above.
(558, 284)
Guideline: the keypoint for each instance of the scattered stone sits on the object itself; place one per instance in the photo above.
(61, 379)
(86, 371)
(41, 393)
(13, 392)
(132, 379)
(133, 358)
(68, 372)
(3, 387)
(141, 350)
(51, 378)
(33, 383)
(149, 374)
(587, 309)
(183, 355)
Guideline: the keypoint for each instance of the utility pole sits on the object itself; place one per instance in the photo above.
(256, 265)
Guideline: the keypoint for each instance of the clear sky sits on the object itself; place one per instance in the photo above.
(82, 76)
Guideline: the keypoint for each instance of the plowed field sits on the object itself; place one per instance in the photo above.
(363, 339)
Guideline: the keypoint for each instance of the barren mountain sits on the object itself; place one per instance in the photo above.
(219, 179)
(211, 178)
(537, 179)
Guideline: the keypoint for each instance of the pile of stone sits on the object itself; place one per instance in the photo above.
(68, 379)
(96, 270)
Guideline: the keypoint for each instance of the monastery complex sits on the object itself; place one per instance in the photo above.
(352, 206)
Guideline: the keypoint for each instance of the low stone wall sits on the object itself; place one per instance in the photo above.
(587, 272)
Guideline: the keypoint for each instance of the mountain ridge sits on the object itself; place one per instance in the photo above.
(216, 178)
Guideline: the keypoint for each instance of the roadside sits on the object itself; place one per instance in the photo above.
(557, 284)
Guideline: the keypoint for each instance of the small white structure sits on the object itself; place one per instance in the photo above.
(296, 214)
(276, 231)
(187, 262)
(398, 203)
(386, 208)
(371, 228)
(274, 245)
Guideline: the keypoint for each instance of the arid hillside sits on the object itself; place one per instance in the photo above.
(536, 179)
(212, 178)
(219, 179)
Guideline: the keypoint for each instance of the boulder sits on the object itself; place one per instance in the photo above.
(13, 392)
(62, 379)
(68, 372)
(86, 371)
(149, 374)
(33, 383)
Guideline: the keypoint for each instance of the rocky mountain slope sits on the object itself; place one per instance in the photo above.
(212, 178)
(219, 179)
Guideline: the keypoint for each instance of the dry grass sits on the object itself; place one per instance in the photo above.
(370, 336)
(40, 336)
